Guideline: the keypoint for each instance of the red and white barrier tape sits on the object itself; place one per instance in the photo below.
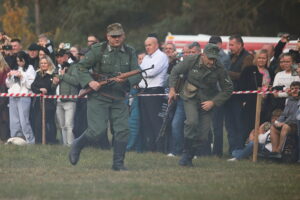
(37, 95)
(76, 96)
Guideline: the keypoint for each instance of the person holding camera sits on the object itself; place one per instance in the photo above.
(67, 84)
(4, 40)
(8, 55)
(19, 81)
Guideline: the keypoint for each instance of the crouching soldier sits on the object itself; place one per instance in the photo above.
(207, 85)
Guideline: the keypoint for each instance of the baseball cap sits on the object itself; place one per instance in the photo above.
(34, 47)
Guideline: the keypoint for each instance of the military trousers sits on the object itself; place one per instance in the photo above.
(198, 122)
(98, 114)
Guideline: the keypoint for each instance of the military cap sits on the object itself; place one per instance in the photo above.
(115, 29)
(194, 44)
(215, 39)
(34, 47)
(211, 51)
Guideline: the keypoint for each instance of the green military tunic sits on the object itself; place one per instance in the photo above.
(104, 59)
(202, 84)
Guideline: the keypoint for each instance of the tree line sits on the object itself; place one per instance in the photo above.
(71, 21)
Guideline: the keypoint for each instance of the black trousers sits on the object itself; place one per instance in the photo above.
(50, 109)
(151, 118)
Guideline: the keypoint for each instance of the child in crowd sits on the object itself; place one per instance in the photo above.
(264, 132)
(287, 121)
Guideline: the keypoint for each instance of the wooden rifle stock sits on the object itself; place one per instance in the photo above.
(125, 75)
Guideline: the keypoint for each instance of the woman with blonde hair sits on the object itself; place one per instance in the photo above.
(43, 85)
(4, 130)
(254, 77)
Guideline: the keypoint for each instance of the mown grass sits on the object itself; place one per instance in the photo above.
(43, 172)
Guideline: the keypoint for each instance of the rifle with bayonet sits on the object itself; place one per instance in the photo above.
(110, 80)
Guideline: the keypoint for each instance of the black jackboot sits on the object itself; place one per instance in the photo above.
(188, 153)
(119, 155)
(76, 148)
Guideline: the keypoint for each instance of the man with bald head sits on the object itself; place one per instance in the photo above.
(150, 107)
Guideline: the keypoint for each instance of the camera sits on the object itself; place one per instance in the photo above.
(7, 47)
(65, 65)
(16, 79)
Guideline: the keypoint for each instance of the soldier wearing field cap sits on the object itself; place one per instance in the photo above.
(200, 95)
(107, 103)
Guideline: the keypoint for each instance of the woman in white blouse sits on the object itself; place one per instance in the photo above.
(19, 82)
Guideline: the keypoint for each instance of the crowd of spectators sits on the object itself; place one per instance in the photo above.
(44, 69)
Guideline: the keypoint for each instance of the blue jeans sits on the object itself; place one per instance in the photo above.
(134, 122)
(245, 152)
(177, 128)
(233, 123)
(298, 128)
(218, 121)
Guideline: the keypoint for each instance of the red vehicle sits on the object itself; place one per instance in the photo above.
(250, 43)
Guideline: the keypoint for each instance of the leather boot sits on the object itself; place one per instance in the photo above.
(188, 153)
(119, 155)
(76, 147)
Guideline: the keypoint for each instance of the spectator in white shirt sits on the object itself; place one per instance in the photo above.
(150, 107)
(19, 81)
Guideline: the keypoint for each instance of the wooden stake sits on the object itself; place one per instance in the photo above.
(43, 120)
(257, 124)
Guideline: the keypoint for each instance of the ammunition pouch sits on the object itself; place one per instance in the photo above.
(189, 90)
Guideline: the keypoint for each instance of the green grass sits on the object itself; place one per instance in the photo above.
(43, 172)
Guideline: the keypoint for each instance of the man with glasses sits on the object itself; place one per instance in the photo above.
(200, 95)
(107, 103)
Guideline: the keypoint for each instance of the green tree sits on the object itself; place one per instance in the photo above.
(15, 22)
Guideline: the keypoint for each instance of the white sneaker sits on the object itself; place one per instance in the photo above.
(171, 155)
(232, 160)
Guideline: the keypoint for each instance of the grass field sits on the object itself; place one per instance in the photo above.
(43, 172)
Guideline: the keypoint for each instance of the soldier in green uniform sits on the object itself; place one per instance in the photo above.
(207, 85)
(107, 103)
